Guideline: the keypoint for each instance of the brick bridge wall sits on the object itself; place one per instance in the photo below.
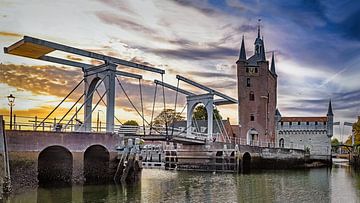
(25, 146)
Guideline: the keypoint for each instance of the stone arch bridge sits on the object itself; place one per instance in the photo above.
(58, 157)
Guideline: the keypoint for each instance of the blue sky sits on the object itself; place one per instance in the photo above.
(316, 45)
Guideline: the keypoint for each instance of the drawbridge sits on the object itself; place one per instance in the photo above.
(108, 74)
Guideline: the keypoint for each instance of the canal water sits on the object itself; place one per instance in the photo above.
(339, 184)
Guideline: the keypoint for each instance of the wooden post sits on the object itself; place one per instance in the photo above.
(7, 181)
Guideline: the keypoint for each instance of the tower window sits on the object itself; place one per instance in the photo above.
(247, 82)
(256, 70)
(282, 123)
(316, 122)
(307, 123)
(299, 123)
(290, 123)
(325, 123)
(251, 96)
(252, 117)
(247, 70)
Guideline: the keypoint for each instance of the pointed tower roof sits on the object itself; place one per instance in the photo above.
(242, 56)
(277, 112)
(330, 112)
(259, 28)
(262, 52)
(272, 69)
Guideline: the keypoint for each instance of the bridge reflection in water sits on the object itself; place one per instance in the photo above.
(339, 184)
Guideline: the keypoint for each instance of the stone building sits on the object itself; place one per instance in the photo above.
(309, 133)
(260, 123)
(257, 95)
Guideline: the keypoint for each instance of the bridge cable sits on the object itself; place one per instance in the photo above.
(87, 99)
(222, 127)
(142, 105)
(59, 104)
(166, 119)
(71, 108)
(153, 108)
(132, 104)
(106, 106)
(174, 116)
(97, 103)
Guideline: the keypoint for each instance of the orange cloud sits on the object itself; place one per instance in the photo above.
(10, 34)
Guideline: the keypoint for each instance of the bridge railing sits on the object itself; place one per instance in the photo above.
(35, 123)
(242, 141)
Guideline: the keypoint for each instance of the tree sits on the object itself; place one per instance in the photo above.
(201, 114)
(167, 116)
(356, 128)
(335, 144)
(131, 122)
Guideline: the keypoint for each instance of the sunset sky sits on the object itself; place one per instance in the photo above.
(316, 45)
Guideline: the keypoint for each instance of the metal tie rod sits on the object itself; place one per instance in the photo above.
(173, 88)
(90, 54)
(206, 88)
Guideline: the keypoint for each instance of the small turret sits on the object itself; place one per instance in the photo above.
(242, 56)
(272, 69)
(330, 120)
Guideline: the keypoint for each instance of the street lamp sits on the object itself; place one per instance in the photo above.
(11, 100)
(98, 121)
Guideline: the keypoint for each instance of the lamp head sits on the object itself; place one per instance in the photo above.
(11, 99)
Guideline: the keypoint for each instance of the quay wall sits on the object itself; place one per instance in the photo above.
(228, 158)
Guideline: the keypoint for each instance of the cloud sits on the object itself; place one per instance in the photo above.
(197, 53)
(114, 19)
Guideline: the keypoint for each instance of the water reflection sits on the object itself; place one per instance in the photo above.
(339, 184)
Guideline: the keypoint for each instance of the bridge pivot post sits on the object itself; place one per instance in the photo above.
(110, 98)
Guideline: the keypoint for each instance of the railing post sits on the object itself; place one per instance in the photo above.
(54, 127)
(15, 121)
(35, 123)
(43, 126)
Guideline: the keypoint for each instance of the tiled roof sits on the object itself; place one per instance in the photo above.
(303, 119)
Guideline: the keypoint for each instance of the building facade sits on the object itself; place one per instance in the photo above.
(257, 95)
(309, 133)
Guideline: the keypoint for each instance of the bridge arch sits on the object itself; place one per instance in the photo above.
(246, 162)
(96, 164)
(90, 85)
(207, 101)
(55, 166)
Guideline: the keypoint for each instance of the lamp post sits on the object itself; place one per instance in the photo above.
(98, 121)
(11, 100)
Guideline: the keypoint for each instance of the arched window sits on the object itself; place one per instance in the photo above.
(281, 143)
(251, 96)
(248, 82)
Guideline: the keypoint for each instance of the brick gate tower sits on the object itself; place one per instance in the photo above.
(257, 95)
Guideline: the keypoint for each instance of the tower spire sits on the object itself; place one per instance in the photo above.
(273, 64)
(259, 20)
(330, 112)
(242, 56)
